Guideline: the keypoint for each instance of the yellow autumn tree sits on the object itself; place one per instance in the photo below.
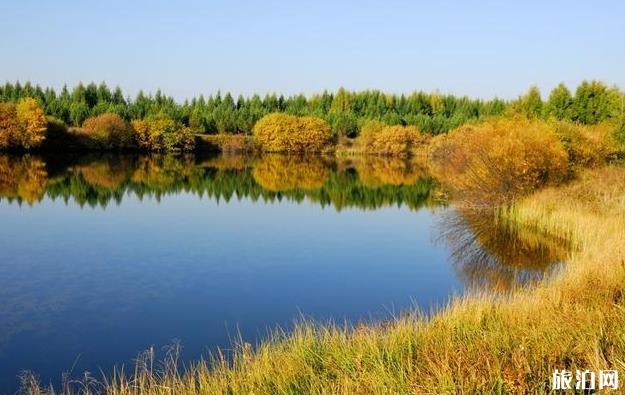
(288, 133)
(32, 124)
(8, 124)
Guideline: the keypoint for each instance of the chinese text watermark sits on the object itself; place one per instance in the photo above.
(584, 380)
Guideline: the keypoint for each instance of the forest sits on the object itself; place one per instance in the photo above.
(100, 118)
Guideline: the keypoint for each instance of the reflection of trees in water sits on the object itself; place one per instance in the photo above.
(488, 255)
(97, 180)
(162, 171)
(282, 173)
(228, 161)
(377, 171)
(106, 172)
(22, 178)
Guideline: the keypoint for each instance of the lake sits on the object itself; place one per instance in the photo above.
(103, 256)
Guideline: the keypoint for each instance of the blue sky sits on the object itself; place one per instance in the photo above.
(483, 49)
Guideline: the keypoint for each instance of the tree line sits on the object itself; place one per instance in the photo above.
(345, 111)
(158, 122)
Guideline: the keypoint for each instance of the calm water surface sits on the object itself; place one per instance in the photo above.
(104, 256)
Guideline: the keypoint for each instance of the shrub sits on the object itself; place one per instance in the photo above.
(22, 125)
(496, 161)
(588, 145)
(163, 134)
(380, 139)
(109, 130)
(288, 133)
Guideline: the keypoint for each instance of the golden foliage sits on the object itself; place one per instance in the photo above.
(33, 123)
(163, 134)
(22, 125)
(24, 178)
(379, 139)
(283, 173)
(110, 130)
(588, 145)
(142, 132)
(496, 161)
(9, 126)
(279, 132)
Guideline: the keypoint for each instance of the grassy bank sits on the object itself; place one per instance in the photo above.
(479, 343)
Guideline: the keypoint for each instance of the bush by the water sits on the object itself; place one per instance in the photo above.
(588, 145)
(22, 124)
(163, 134)
(289, 133)
(496, 161)
(380, 139)
(109, 131)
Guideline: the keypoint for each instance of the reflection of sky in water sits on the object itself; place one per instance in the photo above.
(77, 279)
(105, 284)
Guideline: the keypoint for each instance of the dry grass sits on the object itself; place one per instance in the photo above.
(480, 343)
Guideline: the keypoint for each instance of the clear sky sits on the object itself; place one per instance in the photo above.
(483, 49)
